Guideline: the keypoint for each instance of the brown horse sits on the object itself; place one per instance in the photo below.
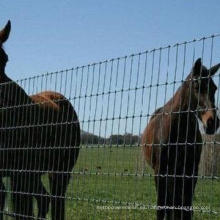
(38, 134)
(172, 141)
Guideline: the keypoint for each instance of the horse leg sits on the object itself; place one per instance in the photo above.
(42, 196)
(190, 183)
(22, 200)
(189, 187)
(2, 198)
(161, 194)
(161, 184)
(58, 185)
(184, 199)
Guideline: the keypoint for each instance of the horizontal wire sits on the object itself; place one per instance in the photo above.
(134, 204)
(115, 174)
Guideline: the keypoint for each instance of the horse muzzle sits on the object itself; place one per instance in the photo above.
(212, 125)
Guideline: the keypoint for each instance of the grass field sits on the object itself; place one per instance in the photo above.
(102, 178)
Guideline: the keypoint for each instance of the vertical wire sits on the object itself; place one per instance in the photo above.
(213, 141)
(6, 148)
(163, 113)
(128, 98)
(161, 130)
(132, 125)
(22, 118)
(57, 135)
(148, 117)
(155, 107)
(198, 105)
(60, 131)
(88, 113)
(112, 148)
(135, 97)
(179, 112)
(97, 101)
(48, 121)
(90, 107)
(189, 103)
(85, 105)
(132, 116)
(17, 168)
(197, 114)
(114, 105)
(94, 142)
(107, 114)
(126, 135)
(85, 143)
(70, 98)
(6, 123)
(217, 140)
(121, 101)
(142, 156)
(158, 78)
(33, 120)
(68, 129)
(122, 94)
(71, 85)
(102, 106)
(76, 86)
(185, 149)
(41, 138)
(69, 123)
(74, 97)
(172, 107)
(27, 114)
(108, 101)
(80, 88)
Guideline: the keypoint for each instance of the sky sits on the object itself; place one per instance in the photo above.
(49, 36)
(53, 35)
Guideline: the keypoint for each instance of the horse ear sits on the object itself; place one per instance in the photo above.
(214, 69)
(4, 33)
(197, 68)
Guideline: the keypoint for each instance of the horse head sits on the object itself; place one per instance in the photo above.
(203, 91)
(4, 34)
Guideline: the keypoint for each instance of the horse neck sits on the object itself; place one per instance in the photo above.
(181, 106)
(3, 77)
(16, 103)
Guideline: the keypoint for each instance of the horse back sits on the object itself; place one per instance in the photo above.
(61, 130)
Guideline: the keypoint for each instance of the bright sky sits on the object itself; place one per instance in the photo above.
(52, 35)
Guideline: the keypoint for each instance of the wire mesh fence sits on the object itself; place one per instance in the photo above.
(166, 89)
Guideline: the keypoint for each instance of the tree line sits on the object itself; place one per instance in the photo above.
(114, 139)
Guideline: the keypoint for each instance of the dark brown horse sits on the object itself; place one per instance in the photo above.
(172, 141)
(38, 134)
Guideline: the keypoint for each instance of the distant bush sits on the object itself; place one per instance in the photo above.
(114, 139)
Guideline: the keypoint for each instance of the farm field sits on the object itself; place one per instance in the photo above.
(112, 176)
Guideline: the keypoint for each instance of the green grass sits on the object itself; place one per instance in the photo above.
(101, 178)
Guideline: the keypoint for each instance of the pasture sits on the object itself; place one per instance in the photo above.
(113, 176)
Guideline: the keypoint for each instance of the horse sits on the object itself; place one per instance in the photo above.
(172, 141)
(39, 134)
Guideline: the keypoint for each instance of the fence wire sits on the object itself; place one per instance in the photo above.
(115, 100)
